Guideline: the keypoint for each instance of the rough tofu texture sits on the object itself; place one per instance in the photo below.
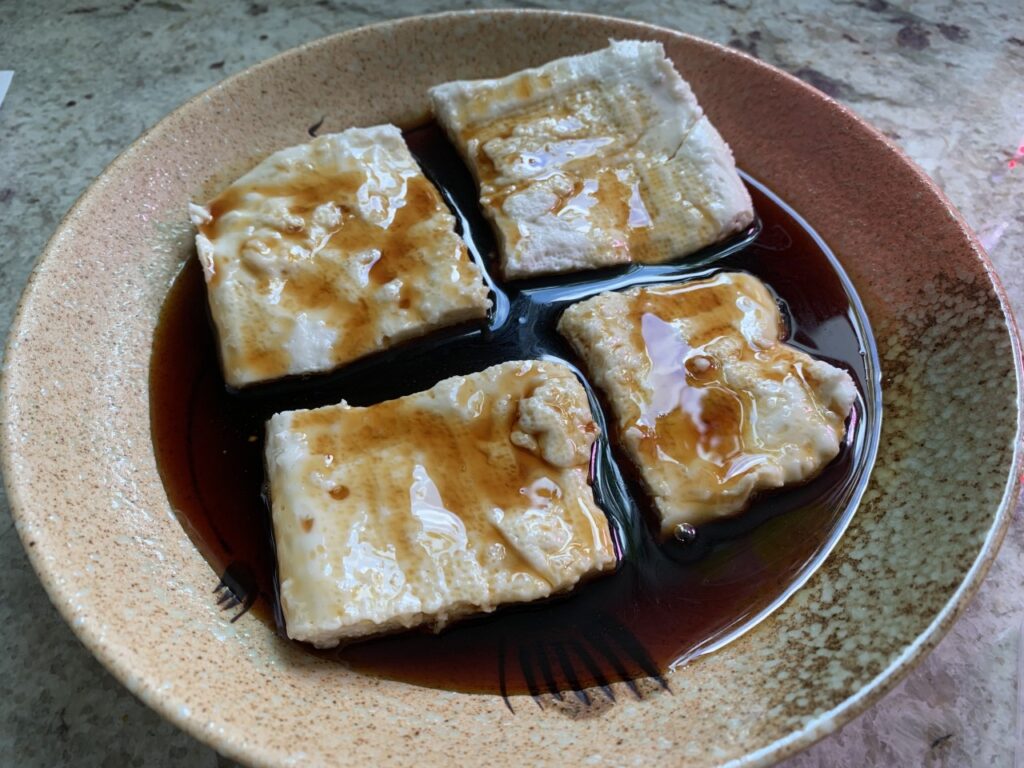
(708, 402)
(329, 251)
(437, 505)
(595, 160)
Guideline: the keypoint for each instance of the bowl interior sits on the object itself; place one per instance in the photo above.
(94, 517)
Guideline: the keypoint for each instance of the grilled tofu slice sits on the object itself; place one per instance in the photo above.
(434, 506)
(329, 251)
(595, 160)
(709, 404)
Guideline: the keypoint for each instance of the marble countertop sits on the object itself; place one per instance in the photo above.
(944, 80)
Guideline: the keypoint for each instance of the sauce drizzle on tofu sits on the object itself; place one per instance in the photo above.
(595, 160)
(710, 404)
(330, 251)
(668, 601)
(471, 495)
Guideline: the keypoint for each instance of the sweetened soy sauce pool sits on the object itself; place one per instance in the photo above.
(667, 602)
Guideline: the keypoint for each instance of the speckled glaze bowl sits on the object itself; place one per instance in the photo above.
(92, 512)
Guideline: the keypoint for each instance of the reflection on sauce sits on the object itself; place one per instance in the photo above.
(684, 419)
(692, 413)
(443, 529)
(552, 158)
(670, 600)
(575, 156)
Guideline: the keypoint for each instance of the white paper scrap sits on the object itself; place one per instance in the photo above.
(5, 82)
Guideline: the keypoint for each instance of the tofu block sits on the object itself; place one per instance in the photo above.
(595, 160)
(434, 506)
(329, 251)
(708, 403)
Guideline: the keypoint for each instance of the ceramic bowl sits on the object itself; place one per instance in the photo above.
(93, 516)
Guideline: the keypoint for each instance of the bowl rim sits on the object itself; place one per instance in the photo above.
(165, 703)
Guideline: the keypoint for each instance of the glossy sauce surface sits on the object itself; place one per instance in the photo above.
(693, 417)
(586, 170)
(667, 602)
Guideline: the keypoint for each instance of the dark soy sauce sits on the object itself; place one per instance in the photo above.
(668, 602)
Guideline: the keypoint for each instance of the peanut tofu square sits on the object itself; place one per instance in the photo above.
(329, 251)
(595, 160)
(708, 403)
(434, 506)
